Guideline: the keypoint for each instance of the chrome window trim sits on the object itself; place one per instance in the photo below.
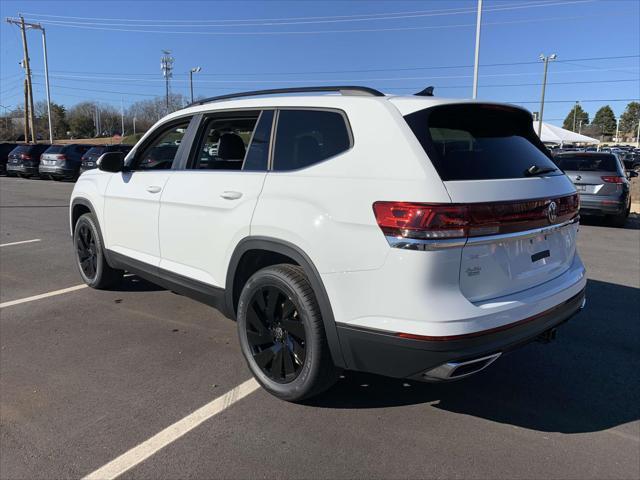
(439, 244)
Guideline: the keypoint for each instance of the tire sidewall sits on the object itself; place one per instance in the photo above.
(303, 383)
(88, 220)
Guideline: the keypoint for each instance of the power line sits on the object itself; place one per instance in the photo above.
(369, 70)
(303, 20)
(315, 32)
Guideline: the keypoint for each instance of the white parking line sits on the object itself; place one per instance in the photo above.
(19, 243)
(11, 303)
(137, 454)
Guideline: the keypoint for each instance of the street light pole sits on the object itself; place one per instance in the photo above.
(546, 60)
(575, 111)
(191, 72)
(477, 53)
(46, 81)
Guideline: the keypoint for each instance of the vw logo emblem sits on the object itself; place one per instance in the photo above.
(552, 212)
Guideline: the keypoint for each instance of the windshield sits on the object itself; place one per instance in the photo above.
(479, 142)
(600, 163)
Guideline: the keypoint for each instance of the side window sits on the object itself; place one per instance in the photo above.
(306, 137)
(162, 151)
(258, 154)
(224, 141)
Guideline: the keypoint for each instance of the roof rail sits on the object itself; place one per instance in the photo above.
(344, 90)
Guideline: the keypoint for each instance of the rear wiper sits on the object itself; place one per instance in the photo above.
(536, 170)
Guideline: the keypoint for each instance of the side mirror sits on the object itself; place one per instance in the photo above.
(111, 162)
(632, 173)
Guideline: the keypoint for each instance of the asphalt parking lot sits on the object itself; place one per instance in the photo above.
(87, 375)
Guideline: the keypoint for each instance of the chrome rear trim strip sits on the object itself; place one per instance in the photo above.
(442, 243)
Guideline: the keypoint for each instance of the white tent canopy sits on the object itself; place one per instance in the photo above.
(553, 134)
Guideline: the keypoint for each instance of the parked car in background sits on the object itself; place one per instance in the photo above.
(602, 183)
(5, 149)
(24, 160)
(631, 160)
(91, 156)
(60, 162)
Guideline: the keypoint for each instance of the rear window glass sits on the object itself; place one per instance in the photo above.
(95, 151)
(479, 142)
(55, 149)
(306, 137)
(21, 149)
(601, 163)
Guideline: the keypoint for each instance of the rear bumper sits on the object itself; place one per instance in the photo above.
(57, 171)
(388, 354)
(609, 205)
(22, 169)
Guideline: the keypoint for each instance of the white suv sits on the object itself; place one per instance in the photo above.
(413, 237)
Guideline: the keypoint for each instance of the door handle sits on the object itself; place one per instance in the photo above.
(231, 195)
(153, 188)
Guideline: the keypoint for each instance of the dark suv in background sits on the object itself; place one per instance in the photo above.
(90, 158)
(602, 183)
(5, 149)
(61, 162)
(25, 159)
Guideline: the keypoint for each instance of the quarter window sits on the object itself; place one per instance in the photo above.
(306, 137)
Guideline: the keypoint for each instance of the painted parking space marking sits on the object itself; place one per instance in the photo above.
(33, 298)
(19, 243)
(141, 452)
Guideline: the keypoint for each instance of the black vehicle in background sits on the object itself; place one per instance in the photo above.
(25, 159)
(5, 149)
(61, 162)
(90, 158)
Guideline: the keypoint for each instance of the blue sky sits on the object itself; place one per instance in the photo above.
(396, 46)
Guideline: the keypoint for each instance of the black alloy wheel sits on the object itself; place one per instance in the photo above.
(86, 251)
(276, 334)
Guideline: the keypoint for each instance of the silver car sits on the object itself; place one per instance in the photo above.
(602, 183)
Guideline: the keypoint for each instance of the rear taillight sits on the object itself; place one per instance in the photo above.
(440, 221)
(612, 179)
(25, 156)
(61, 157)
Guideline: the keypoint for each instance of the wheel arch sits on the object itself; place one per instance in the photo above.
(282, 250)
(79, 206)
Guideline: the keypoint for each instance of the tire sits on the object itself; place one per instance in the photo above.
(620, 220)
(89, 253)
(286, 351)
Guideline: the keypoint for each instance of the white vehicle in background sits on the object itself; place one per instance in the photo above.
(408, 236)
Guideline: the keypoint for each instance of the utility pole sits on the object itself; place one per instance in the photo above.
(134, 126)
(35, 26)
(122, 116)
(617, 130)
(28, 106)
(546, 60)
(638, 135)
(26, 111)
(477, 54)
(575, 111)
(191, 72)
(166, 65)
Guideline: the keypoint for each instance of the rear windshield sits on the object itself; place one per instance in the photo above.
(55, 149)
(479, 142)
(94, 151)
(600, 163)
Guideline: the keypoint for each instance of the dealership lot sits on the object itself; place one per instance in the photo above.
(87, 375)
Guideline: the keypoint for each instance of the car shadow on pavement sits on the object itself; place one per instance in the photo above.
(633, 222)
(133, 283)
(585, 381)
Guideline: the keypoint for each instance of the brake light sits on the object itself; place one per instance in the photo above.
(25, 156)
(612, 179)
(61, 157)
(439, 221)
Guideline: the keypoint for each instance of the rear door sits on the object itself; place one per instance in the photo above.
(132, 198)
(490, 160)
(206, 208)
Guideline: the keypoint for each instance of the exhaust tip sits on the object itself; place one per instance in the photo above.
(456, 370)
